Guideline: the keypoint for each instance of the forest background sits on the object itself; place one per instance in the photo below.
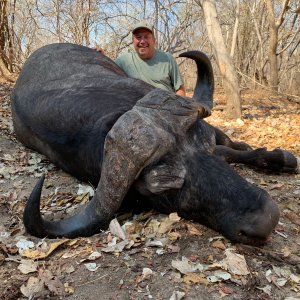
(261, 37)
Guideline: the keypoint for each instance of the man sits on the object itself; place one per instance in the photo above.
(149, 64)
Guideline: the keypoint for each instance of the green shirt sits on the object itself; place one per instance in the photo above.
(160, 71)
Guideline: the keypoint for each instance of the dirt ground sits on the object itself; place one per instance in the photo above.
(152, 256)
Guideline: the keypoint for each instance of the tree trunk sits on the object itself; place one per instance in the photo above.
(224, 61)
(273, 41)
(4, 72)
(236, 26)
(274, 25)
(4, 35)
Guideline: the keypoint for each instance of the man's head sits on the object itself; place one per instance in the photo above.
(143, 40)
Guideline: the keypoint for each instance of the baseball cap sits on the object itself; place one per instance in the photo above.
(142, 24)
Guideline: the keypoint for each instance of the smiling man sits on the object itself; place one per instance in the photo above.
(149, 64)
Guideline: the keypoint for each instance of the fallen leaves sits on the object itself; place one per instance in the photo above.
(177, 295)
(154, 233)
(193, 230)
(235, 263)
(116, 229)
(36, 285)
(28, 266)
(91, 267)
(184, 266)
(218, 244)
(41, 254)
(293, 217)
(193, 278)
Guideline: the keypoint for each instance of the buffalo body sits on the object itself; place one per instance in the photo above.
(137, 144)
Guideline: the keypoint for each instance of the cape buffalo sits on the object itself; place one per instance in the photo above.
(137, 144)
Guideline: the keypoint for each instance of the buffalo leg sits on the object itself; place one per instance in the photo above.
(224, 139)
(277, 160)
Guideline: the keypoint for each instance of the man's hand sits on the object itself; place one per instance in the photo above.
(100, 50)
(181, 91)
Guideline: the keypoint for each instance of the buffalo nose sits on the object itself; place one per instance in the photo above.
(260, 225)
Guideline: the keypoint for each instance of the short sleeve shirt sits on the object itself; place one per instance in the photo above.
(160, 71)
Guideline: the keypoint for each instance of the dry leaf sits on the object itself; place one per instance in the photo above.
(91, 267)
(85, 189)
(78, 252)
(267, 289)
(286, 252)
(69, 289)
(174, 236)
(218, 244)
(69, 269)
(157, 243)
(295, 278)
(177, 295)
(109, 238)
(262, 182)
(160, 251)
(193, 278)
(277, 186)
(72, 242)
(193, 258)
(174, 217)
(167, 223)
(165, 226)
(193, 230)
(184, 266)
(52, 282)
(116, 247)
(28, 266)
(33, 286)
(146, 273)
(281, 281)
(116, 229)
(219, 275)
(151, 227)
(236, 263)
(173, 248)
(24, 244)
(2, 258)
(226, 290)
(38, 254)
(94, 255)
(293, 217)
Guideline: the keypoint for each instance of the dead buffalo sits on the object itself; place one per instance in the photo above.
(137, 144)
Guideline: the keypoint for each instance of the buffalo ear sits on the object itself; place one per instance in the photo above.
(162, 178)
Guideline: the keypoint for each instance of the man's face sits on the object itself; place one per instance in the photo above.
(144, 43)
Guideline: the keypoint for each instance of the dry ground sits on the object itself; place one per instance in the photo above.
(163, 257)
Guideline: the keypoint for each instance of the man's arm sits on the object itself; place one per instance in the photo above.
(181, 91)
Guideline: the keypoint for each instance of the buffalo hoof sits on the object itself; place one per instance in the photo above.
(291, 163)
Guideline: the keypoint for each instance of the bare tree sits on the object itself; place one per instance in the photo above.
(224, 61)
(235, 31)
(4, 40)
(274, 24)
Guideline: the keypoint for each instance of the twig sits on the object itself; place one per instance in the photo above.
(268, 89)
(91, 281)
(269, 253)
